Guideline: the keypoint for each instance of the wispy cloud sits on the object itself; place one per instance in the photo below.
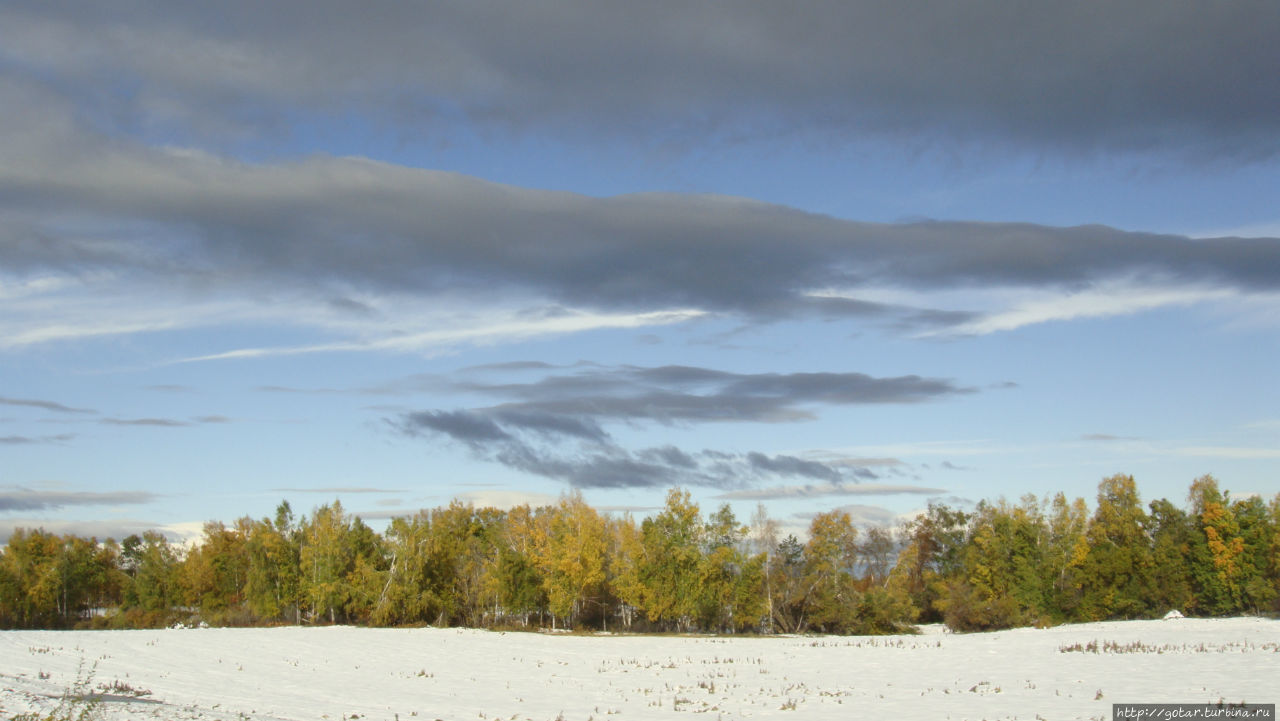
(1229, 452)
(165, 422)
(28, 440)
(438, 340)
(973, 447)
(1108, 301)
(22, 499)
(153, 422)
(827, 490)
(336, 489)
(44, 405)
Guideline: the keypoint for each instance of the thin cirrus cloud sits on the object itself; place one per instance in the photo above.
(165, 422)
(555, 426)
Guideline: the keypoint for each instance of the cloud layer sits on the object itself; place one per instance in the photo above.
(1175, 75)
(127, 204)
(227, 242)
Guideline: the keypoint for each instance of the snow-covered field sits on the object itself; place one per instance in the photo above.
(336, 673)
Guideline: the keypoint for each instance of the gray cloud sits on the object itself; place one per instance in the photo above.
(22, 499)
(344, 227)
(552, 426)
(792, 466)
(474, 429)
(610, 468)
(353, 307)
(154, 422)
(339, 489)
(511, 366)
(861, 515)
(668, 394)
(43, 405)
(324, 222)
(1143, 75)
(1105, 437)
(28, 440)
(560, 451)
(301, 391)
(831, 489)
(164, 422)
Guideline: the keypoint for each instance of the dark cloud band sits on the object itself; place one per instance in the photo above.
(1135, 75)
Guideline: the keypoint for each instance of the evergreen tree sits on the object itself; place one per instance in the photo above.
(1170, 530)
(1273, 551)
(1258, 591)
(1003, 560)
(154, 570)
(1217, 550)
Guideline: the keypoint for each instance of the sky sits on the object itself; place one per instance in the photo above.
(862, 256)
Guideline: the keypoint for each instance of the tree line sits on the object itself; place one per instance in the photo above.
(569, 566)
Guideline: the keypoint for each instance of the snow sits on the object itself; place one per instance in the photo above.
(344, 673)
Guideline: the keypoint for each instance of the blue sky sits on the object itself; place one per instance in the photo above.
(867, 256)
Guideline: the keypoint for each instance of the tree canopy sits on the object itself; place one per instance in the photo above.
(569, 566)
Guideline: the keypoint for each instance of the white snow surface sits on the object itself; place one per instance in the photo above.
(428, 673)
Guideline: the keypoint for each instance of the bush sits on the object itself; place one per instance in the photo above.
(969, 610)
(881, 611)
